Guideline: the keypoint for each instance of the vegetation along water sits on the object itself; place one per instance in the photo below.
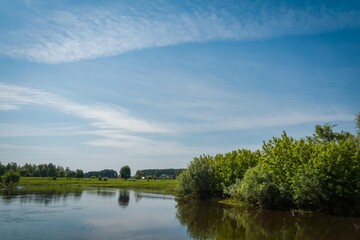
(305, 177)
(319, 173)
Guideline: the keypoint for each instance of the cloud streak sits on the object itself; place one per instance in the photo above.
(78, 33)
(283, 119)
(100, 116)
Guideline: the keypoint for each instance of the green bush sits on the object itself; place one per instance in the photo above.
(320, 172)
(233, 165)
(307, 192)
(258, 188)
(199, 181)
(10, 179)
(337, 165)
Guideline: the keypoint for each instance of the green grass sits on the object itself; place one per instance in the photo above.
(160, 186)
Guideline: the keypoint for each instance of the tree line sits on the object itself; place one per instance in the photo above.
(158, 173)
(319, 172)
(106, 173)
(41, 170)
(53, 171)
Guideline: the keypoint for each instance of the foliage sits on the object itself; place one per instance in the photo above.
(139, 174)
(79, 173)
(156, 173)
(125, 172)
(233, 165)
(2, 169)
(10, 179)
(41, 170)
(358, 124)
(200, 179)
(109, 173)
(320, 172)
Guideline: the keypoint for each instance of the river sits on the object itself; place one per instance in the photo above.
(64, 213)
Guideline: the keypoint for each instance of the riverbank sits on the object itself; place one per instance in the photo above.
(158, 186)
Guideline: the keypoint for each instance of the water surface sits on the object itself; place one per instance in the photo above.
(89, 214)
(125, 214)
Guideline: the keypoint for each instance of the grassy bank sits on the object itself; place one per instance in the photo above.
(159, 186)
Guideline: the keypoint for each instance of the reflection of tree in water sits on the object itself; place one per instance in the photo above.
(124, 198)
(200, 217)
(206, 220)
(286, 225)
(103, 193)
(141, 195)
(42, 195)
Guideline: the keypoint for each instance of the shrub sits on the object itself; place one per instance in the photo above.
(233, 165)
(199, 180)
(306, 188)
(257, 187)
(10, 179)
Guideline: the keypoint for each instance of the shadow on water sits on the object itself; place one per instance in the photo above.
(204, 220)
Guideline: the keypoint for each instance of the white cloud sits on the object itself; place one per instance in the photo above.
(282, 119)
(92, 32)
(99, 115)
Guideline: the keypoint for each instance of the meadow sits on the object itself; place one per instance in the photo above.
(158, 186)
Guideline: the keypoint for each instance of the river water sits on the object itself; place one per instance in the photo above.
(125, 214)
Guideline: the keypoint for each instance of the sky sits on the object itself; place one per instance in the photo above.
(152, 84)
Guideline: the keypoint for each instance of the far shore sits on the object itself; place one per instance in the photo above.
(165, 186)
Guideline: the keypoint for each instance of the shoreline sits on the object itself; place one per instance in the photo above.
(155, 186)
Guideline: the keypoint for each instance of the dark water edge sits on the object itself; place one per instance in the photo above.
(210, 219)
(76, 213)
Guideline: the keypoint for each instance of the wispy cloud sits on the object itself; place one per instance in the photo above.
(85, 32)
(283, 119)
(100, 116)
(116, 123)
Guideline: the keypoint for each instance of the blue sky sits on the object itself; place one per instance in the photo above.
(152, 84)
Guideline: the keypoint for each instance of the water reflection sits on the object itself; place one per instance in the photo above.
(104, 193)
(41, 195)
(140, 195)
(87, 214)
(205, 220)
(124, 198)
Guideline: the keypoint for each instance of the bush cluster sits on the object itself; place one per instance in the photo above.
(320, 172)
(10, 179)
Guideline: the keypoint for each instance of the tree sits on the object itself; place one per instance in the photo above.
(2, 169)
(139, 174)
(60, 171)
(358, 123)
(10, 179)
(200, 180)
(51, 170)
(67, 172)
(327, 134)
(72, 174)
(12, 166)
(125, 172)
(79, 173)
(108, 173)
